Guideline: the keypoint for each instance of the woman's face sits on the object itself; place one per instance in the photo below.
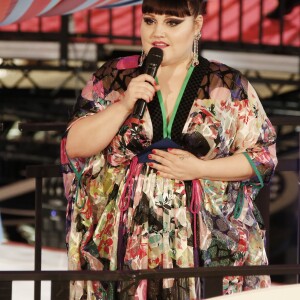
(174, 35)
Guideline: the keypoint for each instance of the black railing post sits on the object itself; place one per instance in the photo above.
(38, 234)
(263, 203)
(298, 231)
(64, 41)
(6, 290)
(5, 286)
(212, 287)
(59, 290)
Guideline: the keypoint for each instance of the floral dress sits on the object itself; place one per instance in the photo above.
(122, 215)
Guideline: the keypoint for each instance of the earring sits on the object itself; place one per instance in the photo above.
(141, 59)
(195, 60)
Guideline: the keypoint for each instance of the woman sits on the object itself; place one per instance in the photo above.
(188, 205)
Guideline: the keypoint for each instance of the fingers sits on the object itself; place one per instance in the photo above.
(170, 155)
(141, 87)
(162, 157)
(162, 162)
(146, 82)
(146, 77)
(142, 91)
(177, 151)
(179, 165)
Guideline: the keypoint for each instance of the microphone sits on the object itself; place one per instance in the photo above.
(152, 63)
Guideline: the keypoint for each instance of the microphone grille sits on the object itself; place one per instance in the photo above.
(155, 55)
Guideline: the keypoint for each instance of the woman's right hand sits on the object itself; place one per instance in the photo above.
(141, 87)
(91, 135)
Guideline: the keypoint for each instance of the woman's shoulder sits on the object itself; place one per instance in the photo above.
(229, 76)
(223, 70)
(116, 65)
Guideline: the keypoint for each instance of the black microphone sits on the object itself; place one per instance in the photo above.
(152, 63)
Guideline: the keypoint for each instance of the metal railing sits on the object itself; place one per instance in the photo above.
(212, 277)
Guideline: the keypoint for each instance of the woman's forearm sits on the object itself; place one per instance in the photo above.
(182, 165)
(92, 134)
(231, 168)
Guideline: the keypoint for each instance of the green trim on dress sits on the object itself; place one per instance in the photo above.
(240, 199)
(167, 127)
(78, 177)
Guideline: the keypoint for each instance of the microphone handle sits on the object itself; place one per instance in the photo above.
(139, 109)
(140, 105)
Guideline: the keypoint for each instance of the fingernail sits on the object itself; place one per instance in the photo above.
(150, 156)
(150, 164)
(153, 151)
(170, 149)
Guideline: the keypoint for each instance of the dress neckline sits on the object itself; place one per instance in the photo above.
(167, 126)
(194, 85)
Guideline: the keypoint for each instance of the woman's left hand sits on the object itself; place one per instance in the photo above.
(176, 164)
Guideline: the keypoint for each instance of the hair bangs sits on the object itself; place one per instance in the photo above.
(179, 8)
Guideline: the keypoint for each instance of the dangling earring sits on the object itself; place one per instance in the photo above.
(195, 60)
(142, 57)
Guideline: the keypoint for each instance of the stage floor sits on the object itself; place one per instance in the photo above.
(288, 292)
(20, 257)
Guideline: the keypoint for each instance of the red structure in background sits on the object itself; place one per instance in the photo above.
(227, 21)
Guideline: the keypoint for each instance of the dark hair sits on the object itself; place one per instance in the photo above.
(179, 8)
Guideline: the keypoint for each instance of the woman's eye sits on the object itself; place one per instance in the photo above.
(173, 23)
(148, 21)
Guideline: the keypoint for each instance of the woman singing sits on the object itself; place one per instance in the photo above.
(176, 188)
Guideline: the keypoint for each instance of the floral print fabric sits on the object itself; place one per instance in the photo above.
(123, 216)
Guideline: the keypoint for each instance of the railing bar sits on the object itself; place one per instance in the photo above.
(38, 235)
(285, 164)
(285, 120)
(298, 237)
(206, 272)
(44, 171)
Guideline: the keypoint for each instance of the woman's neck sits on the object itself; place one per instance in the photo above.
(173, 70)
